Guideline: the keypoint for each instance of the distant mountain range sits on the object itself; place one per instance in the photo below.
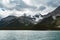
(16, 21)
(11, 21)
(27, 22)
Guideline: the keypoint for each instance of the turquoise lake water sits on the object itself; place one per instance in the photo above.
(29, 35)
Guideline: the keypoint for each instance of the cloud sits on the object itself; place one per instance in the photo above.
(46, 6)
(14, 7)
(30, 4)
(41, 8)
(53, 3)
(30, 7)
(15, 4)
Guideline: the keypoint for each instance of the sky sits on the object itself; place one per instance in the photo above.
(30, 7)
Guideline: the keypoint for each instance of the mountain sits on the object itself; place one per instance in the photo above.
(16, 22)
(0, 18)
(7, 20)
(50, 21)
(54, 13)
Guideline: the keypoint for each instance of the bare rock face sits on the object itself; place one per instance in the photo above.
(56, 12)
(50, 21)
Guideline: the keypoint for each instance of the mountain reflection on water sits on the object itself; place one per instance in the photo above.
(29, 35)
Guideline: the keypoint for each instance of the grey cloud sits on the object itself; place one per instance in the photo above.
(20, 5)
(23, 6)
(41, 8)
(54, 3)
(1, 6)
